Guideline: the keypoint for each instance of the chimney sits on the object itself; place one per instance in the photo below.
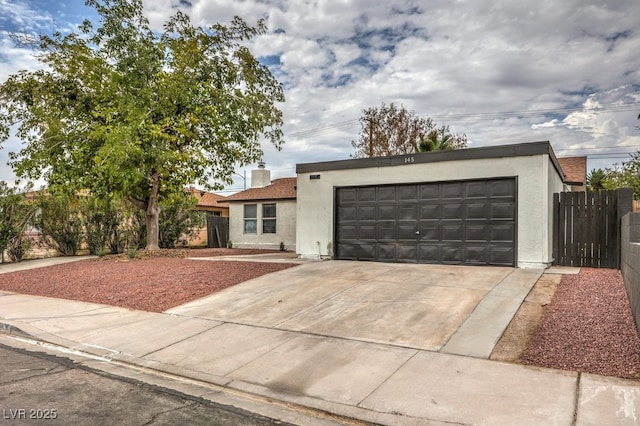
(260, 177)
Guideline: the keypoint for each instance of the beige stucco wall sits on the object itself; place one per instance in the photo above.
(285, 226)
(537, 180)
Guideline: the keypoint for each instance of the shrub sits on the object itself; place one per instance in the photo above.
(16, 216)
(60, 223)
(179, 220)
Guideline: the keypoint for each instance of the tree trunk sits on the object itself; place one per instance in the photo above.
(153, 214)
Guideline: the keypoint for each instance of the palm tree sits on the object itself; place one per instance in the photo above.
(595, 179)
(436, 141)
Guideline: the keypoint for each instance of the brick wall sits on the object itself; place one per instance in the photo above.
(630, 262)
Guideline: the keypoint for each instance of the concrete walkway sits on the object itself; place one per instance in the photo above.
(341, 354)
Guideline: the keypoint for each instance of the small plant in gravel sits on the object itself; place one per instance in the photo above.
(132, 252)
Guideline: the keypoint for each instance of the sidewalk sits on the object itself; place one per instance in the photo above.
(372, 382)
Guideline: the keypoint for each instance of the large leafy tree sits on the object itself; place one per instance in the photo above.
(394, 130)
(121, 110)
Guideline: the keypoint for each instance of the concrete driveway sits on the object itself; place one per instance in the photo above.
(454, 309)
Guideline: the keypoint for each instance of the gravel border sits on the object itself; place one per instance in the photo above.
(588, 327)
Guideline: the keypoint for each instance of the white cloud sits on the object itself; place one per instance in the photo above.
(560, 71)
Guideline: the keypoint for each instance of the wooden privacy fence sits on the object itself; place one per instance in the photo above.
(586, 227)
(217, 231)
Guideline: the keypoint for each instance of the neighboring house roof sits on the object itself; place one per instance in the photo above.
(209, 199)
(575, 170)
(280, 189)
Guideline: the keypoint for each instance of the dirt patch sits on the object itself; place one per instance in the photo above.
(154, 283)
(587, 326)
(523, 326)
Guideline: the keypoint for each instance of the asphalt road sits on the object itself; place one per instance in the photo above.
(38, 388)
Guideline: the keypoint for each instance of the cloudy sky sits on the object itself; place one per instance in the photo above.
(500, 71)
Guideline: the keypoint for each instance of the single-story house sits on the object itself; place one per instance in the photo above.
(264, 216)
(575, 170)
(210, 204)
(477, 206)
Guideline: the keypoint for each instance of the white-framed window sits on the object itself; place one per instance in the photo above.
(269, 218)
(250, 218)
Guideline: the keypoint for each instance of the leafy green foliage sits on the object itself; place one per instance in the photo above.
(60, 223)
(626, 175)
(438, 140)
(393, 130)
(595, 179)
(121, 111)
(101, 219)
(179, 221)
(16, 214)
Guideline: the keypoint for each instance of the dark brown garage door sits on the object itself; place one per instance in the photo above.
(465, 222)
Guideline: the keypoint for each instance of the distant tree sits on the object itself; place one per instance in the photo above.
(120, 110)
(393, 130)
(626, 175)
(595, 179)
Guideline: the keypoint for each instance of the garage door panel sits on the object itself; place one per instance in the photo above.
(502, 232)
(366, 212)
(504, 211)
(429, 253)
(430, 211)
(347, 213)
(348, 232)
(386, 231)
(452, 190)
(477, 232)
(386, 212)
(451, 254)
(408, 212)
(465, 222)
(477, 210)
(387, 193)
(502, 256)
(367, 232)
(452, 211)
(407, 232)
(347, 195)
(408, 193)
(406, 253)
(476, 190)
(475, 255)
(502, 188)
(367, 251)
(347, 251)
(430, 232)
(367, 194)
(452, 232)
(429, 192)
(387, 252)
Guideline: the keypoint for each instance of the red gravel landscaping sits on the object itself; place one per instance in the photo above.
(588, 327)
(150, 284)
